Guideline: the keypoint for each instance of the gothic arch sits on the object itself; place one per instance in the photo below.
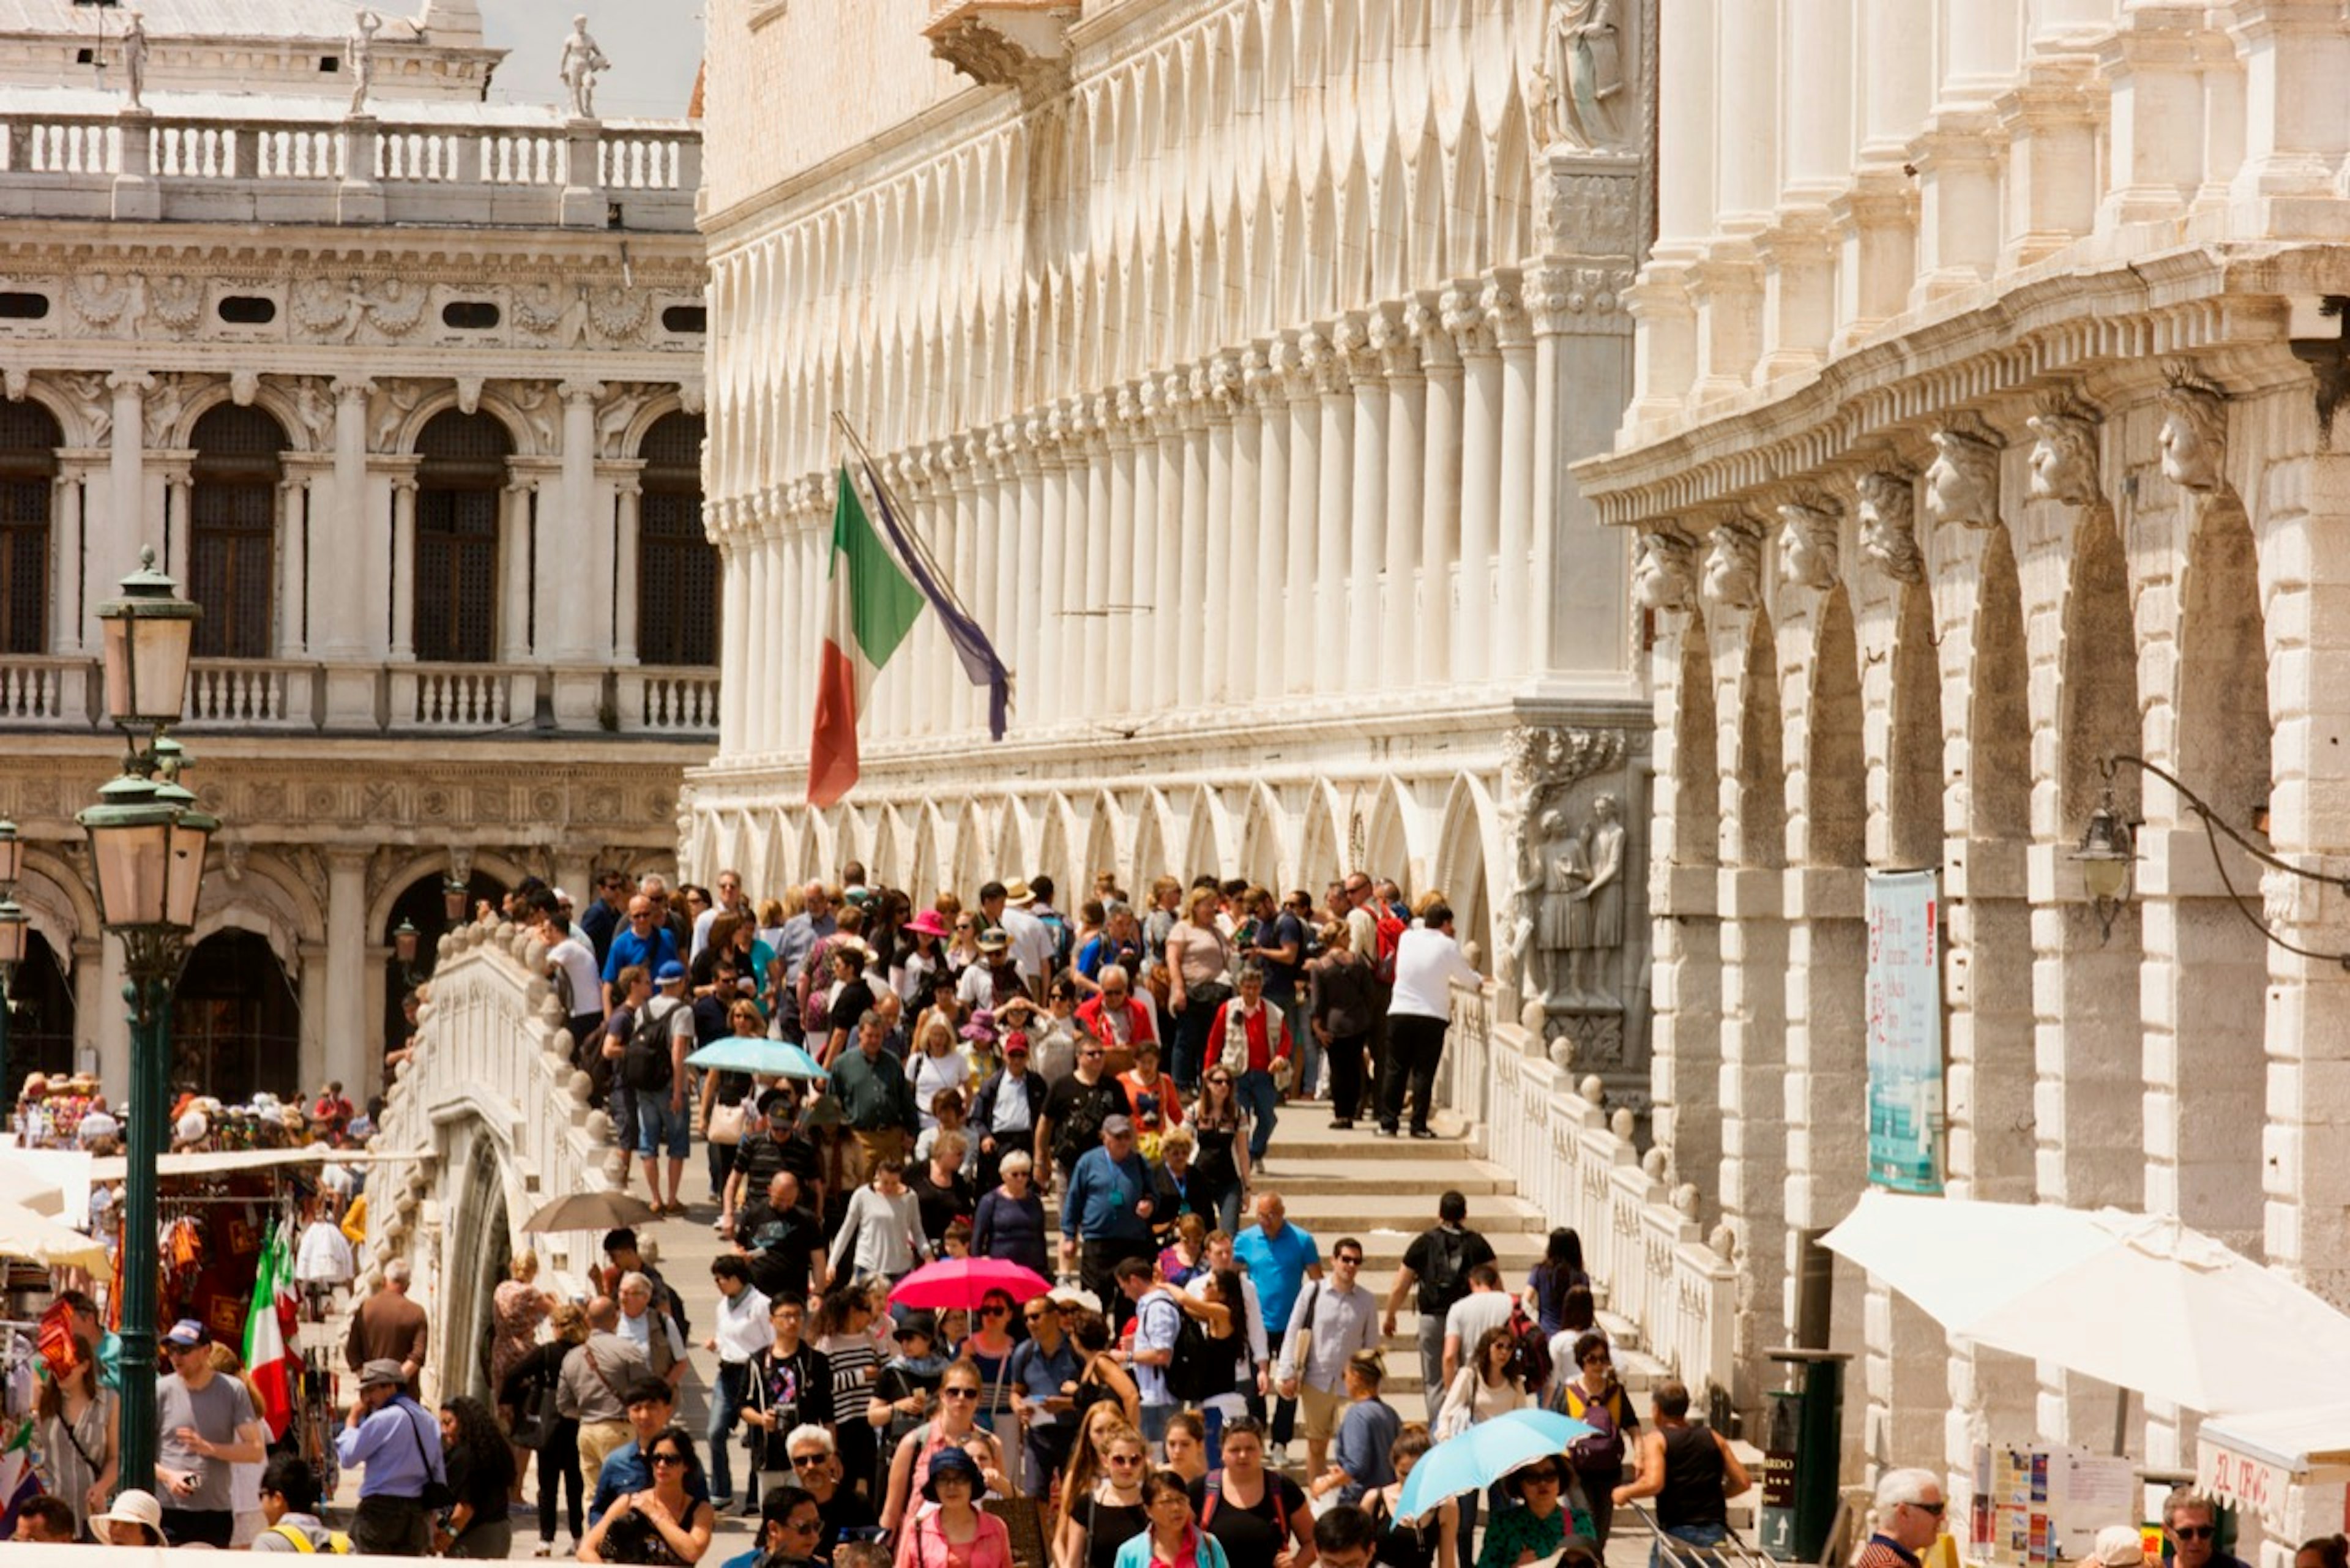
(1322, 836)
(1262, 857)
(973, 839)
(1206, 837)
(1058, 831)
(1762, 776)
(922, 882)
(1468, 851)
(1153, 842)
(884, 866)
(1014, 840)
(1395, 843)
(2098, 705)
(1106, 829)
(1835, 766)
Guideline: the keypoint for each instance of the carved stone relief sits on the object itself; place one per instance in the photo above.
(2194, 433)
(1664, 569)
(2064, 455)
(1733, 564)
(1962, 482)
(1809, 545)
(1889, 534)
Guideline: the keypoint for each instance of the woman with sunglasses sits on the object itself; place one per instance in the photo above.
(1174, 1537)
(962, 950)
(1596, 1399)
(1100, 1519)
(1518, 1536)
(954, 1426)
(663, 1524)
(952, 1531)
(989, 1348)
(1220, 1173)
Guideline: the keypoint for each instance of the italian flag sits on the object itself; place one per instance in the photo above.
(871, 608)
(266, 1359)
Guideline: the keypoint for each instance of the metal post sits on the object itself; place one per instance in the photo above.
(152, 961)
(7, 1006)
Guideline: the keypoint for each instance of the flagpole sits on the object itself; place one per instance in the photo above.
(913, 537)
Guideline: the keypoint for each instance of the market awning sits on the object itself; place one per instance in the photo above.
(2254, 1462)
(114, 1167)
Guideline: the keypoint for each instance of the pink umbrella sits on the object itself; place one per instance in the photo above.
(965, 1281)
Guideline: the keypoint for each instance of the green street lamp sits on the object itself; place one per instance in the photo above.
(148, 840)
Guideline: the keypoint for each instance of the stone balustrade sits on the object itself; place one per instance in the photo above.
(1641, 1239)
(275, 168)
(227, 695)
(492, 1099)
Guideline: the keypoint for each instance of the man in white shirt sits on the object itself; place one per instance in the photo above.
(1333, 1317)
(652, 1330)
(1032, 941)
(1428, 961)
(740, 1332)
(1157, 1320)
(571, 964)
(1486, 1307)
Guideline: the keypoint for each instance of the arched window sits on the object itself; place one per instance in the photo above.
(29, 439)
(457, 488)
(677, 566)
(232, 531)
(236, 1025)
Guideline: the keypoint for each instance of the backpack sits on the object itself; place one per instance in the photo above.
(1198, 1371)
(337, 1541)
(1057, 926)
(1236, 1051)
(1603, 1450)
(644, 1058)
(1390, 933)
(1082, 1130)
(1446, 1281)
(1529, 1350)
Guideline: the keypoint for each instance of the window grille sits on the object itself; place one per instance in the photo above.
(677, 566)
(232, 532)
(29, 439)
(458, 487)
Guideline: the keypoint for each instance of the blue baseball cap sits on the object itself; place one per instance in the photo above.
(669, 973)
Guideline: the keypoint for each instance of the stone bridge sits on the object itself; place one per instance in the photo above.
(499, 1121)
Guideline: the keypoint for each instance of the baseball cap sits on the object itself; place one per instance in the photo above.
(994, 940)
(1117, 1126)
(187, 1333)
(669, 973)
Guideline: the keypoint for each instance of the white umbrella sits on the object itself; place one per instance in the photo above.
(28, 1188)
(2141, 1301)
(41, 1240)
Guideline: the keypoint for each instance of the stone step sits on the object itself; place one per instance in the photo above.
(1362, 1207)
(1472, 1179)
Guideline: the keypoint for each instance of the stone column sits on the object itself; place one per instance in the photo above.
(1133, 500)
(65, 581)
(314, 958)
(403, 565)
(760, 556)
(1027, 461)
(1439, 495)
(343, 608)
(1406, 389)
(1366, 505)
(1218, 384)
(293, 571)
(1166, 636)
(1335, 447)
(127, 485)
(575, 540)
(353, 1051)
(734, 631)
(628, 500)
(1192, 636)
(1876, 220)
(179, 493)
(1104, 540)
(1246, 663)
(999, 523)
(1266, 393)
(968, 580)
(1289, 363)
(1956, 156)
(1481, 481)
(2295, 55)
(1051, 569)
(514, 568)
(1512, 581)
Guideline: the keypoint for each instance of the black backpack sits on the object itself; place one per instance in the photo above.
(1202, 1366)
(1446, 1281)
(644, 1056)
(1082, 1129)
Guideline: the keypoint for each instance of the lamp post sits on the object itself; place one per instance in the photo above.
(147, 843)
(12, 925)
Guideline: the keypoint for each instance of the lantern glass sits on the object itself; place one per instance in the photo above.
(453, 898)
(133, 859)
(191, 837)
(148, 635)
(12, 854)
(13, 927)
(403, 941)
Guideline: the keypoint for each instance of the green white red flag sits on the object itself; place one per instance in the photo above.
(267, 1360)
(871, 607)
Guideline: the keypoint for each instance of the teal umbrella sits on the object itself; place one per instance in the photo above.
(754, 1055)
(1484, 1455)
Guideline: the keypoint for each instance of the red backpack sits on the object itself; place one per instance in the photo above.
(1391, 931)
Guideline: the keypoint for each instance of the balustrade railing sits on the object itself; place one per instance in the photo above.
(462, 696)
(253, 693)
(47, 691)
(656, 701)
(1640, 1237)
(62, 164)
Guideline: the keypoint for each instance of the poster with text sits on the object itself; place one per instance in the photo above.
(1905, 1031)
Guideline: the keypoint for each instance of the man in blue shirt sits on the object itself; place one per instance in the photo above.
(647, 943)
(1157, 1323)
(1280, 1258)
(1043, 1369)
(1108, 1209)
(398, 1442)
(650, 1403)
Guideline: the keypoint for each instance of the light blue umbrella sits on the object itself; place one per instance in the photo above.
(1484, 1455)
(765, 1058)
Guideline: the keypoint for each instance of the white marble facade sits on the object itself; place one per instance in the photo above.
(1228, 354)
(269, 327)
(1988, 361)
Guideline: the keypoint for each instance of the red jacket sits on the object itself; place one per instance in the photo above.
(1142, 1023)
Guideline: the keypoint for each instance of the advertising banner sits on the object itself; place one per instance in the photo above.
(1905, 1031)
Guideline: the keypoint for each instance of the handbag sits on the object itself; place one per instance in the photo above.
(534, 1423)
(436, 1494)
(726, 1128)
(1459, 1412)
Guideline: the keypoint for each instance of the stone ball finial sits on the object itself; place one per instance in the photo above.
(582, 1089)
(1534, 1017)
(1724, 1240)
(1560, 1054)
(1621, 1123)
(1593, 1088)
(1685, 1200)
(1653, 1164)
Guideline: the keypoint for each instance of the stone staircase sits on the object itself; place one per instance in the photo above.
(1384, 1191)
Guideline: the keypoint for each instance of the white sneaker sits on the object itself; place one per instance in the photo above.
(1278, 1456)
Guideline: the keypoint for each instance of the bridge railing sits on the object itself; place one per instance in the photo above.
(491, 1099)
(1641, 1239)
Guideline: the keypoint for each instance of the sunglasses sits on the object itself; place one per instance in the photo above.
(2183, 1531)
(808, 1461)
(1538, 1477)
(1125, 1458)
(997, 1310)
(1935, 1509)
(958, 1393)
(1037, 1316)
(1218, 1078)
(803, 1526)
(1349, 1258)
(666, 1458)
